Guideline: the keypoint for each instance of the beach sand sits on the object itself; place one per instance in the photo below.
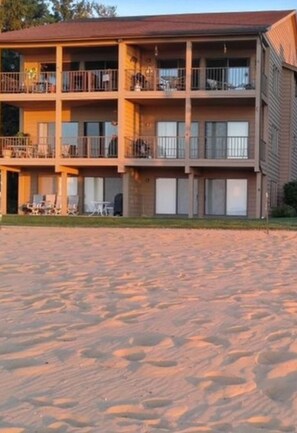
(147, 331)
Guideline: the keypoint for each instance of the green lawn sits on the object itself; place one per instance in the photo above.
(195, 223)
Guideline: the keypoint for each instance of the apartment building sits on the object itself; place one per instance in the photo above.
(185, 115)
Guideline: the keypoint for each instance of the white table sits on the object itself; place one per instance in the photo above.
(100, 208)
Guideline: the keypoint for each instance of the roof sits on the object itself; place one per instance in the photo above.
(149, 26)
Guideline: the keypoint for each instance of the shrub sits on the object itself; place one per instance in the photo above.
(284, 211)
(290, 194)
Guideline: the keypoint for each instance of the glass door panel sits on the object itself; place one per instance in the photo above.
(237, 197)
(237, 142)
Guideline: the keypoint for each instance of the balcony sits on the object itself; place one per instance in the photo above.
(157, 147)
(221, 79)
(156, 79)
(27, 82)
(227, 148)
(23, 147)
(90, 81)
(89, 147)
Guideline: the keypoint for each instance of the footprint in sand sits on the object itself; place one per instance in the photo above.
(155, 403)
(267, 423)
(130, 354)
(274, 336)
(281, 388)
(235, 355)
(275, 357)
(163, 364)
(148, 340)
(223, 379)
(131, 411)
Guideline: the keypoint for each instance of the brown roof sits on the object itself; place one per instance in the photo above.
(149, 26)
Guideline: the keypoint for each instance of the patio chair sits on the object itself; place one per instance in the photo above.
(37, 205)
(49, 204)
(58, 206)
(72, 205)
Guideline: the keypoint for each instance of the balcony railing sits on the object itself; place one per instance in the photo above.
(27, 82)
(155, 147)
(90, 81)
(156, 79)
(90, 147)
(25, 147)
(227, 148)
(221, 79)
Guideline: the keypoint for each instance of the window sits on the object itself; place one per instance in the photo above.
(172, 196)
(230, 73)
(274, 139)
(226, 197)
(171, 138)
(99, 189)
(227, 140)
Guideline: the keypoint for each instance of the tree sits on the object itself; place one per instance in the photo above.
(290, 194)
(19, 14)
(65, 10)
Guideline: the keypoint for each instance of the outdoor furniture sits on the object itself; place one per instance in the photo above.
(100, 208)
(49, 204)
(37, 205)
(72, 208)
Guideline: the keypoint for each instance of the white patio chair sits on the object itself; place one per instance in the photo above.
(49, 204)
(72, 205)
(58, 206)
(37, 205)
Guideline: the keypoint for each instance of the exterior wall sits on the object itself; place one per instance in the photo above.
(288, 136)
(279, 167)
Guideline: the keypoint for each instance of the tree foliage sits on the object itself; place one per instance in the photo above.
(65, 10)
(290, 194)
(19, 14)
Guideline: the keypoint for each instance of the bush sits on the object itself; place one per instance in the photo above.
(284, 211)
(290, 194)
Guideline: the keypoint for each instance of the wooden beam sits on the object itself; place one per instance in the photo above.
(68, 170)
(5, 168)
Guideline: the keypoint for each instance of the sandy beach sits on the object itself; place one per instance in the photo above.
(147, 331)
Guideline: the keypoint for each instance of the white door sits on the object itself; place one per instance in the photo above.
(166, 196)
(237, 197)
(93, 191)
(237, 142)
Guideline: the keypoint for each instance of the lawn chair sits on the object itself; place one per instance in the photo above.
(49, 204)
(37, 205)
(72, 205)
(58, 206)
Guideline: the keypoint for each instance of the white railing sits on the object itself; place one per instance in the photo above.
(155, 79)
(222, 79)
(27, 82)
(90, 81)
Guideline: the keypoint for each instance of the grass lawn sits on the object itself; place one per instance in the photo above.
(195, 223)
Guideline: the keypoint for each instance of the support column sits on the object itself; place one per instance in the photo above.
(258, 195)
(191, 194)
(64, 197)
(126, 182)
(3, 189)
(58, 119)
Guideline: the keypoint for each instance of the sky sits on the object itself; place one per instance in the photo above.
(160, 7)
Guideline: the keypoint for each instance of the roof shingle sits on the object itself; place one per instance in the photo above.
(148, 26)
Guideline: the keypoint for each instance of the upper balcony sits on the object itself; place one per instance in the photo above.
(154, 80)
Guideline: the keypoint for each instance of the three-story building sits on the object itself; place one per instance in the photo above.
(192, 115)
